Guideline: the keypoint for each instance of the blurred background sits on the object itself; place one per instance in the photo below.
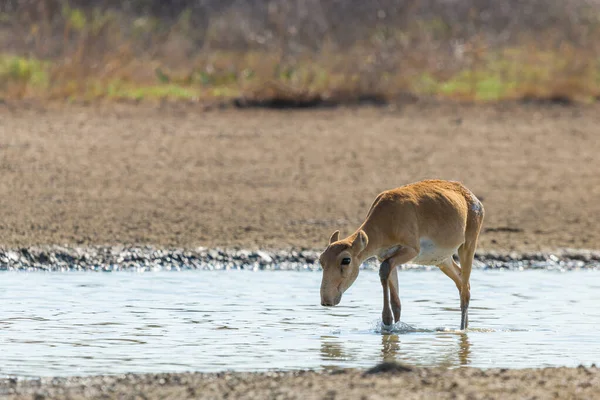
(300, 50)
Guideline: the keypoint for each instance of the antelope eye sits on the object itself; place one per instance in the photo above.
(345, 261)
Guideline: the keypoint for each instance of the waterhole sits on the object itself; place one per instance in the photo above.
(81, 323)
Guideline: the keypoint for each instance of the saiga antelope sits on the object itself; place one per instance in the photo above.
(423, 223)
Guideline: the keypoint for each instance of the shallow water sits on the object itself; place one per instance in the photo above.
(105, 323)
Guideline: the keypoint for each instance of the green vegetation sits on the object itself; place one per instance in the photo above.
(18, 75)
(98, 61)
(491, 81)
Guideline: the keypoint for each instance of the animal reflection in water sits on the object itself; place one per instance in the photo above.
(452, 355)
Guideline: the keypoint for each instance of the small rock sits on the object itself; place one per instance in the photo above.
(388, 367)
(264, 256)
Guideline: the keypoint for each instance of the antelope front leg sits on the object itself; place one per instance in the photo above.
(384, 274)
(389, 283)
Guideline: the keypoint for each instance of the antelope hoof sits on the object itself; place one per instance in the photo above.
(387, 317)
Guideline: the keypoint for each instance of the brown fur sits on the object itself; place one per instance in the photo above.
(444, 214)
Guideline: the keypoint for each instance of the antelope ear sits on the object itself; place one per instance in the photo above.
(334, 237)
(360, 242)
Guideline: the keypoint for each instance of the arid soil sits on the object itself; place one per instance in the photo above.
(183, 176)
(420, 383)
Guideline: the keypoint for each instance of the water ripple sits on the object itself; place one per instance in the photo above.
(82, 323)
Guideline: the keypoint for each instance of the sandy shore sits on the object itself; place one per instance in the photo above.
(397, 382)
(180, 176)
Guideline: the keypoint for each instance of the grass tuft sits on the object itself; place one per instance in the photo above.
(19, 76)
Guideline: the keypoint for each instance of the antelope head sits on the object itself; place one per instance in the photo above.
(340, 262)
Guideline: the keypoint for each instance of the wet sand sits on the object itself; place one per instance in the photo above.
(180, 176)
(415, 383)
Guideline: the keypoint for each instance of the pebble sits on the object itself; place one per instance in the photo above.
(148, 258)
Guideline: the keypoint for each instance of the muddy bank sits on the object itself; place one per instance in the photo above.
(385, 381)
(148, 258)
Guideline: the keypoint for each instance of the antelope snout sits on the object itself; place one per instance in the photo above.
(327, 301)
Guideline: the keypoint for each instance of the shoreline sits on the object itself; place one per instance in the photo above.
(381, 381)
(52, 258)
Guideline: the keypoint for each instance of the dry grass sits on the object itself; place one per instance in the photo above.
(86, 53)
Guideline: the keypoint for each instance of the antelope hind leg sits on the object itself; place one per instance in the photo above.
(466, 253)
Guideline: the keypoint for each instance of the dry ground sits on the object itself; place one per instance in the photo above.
(421, 383)
(178, 175)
